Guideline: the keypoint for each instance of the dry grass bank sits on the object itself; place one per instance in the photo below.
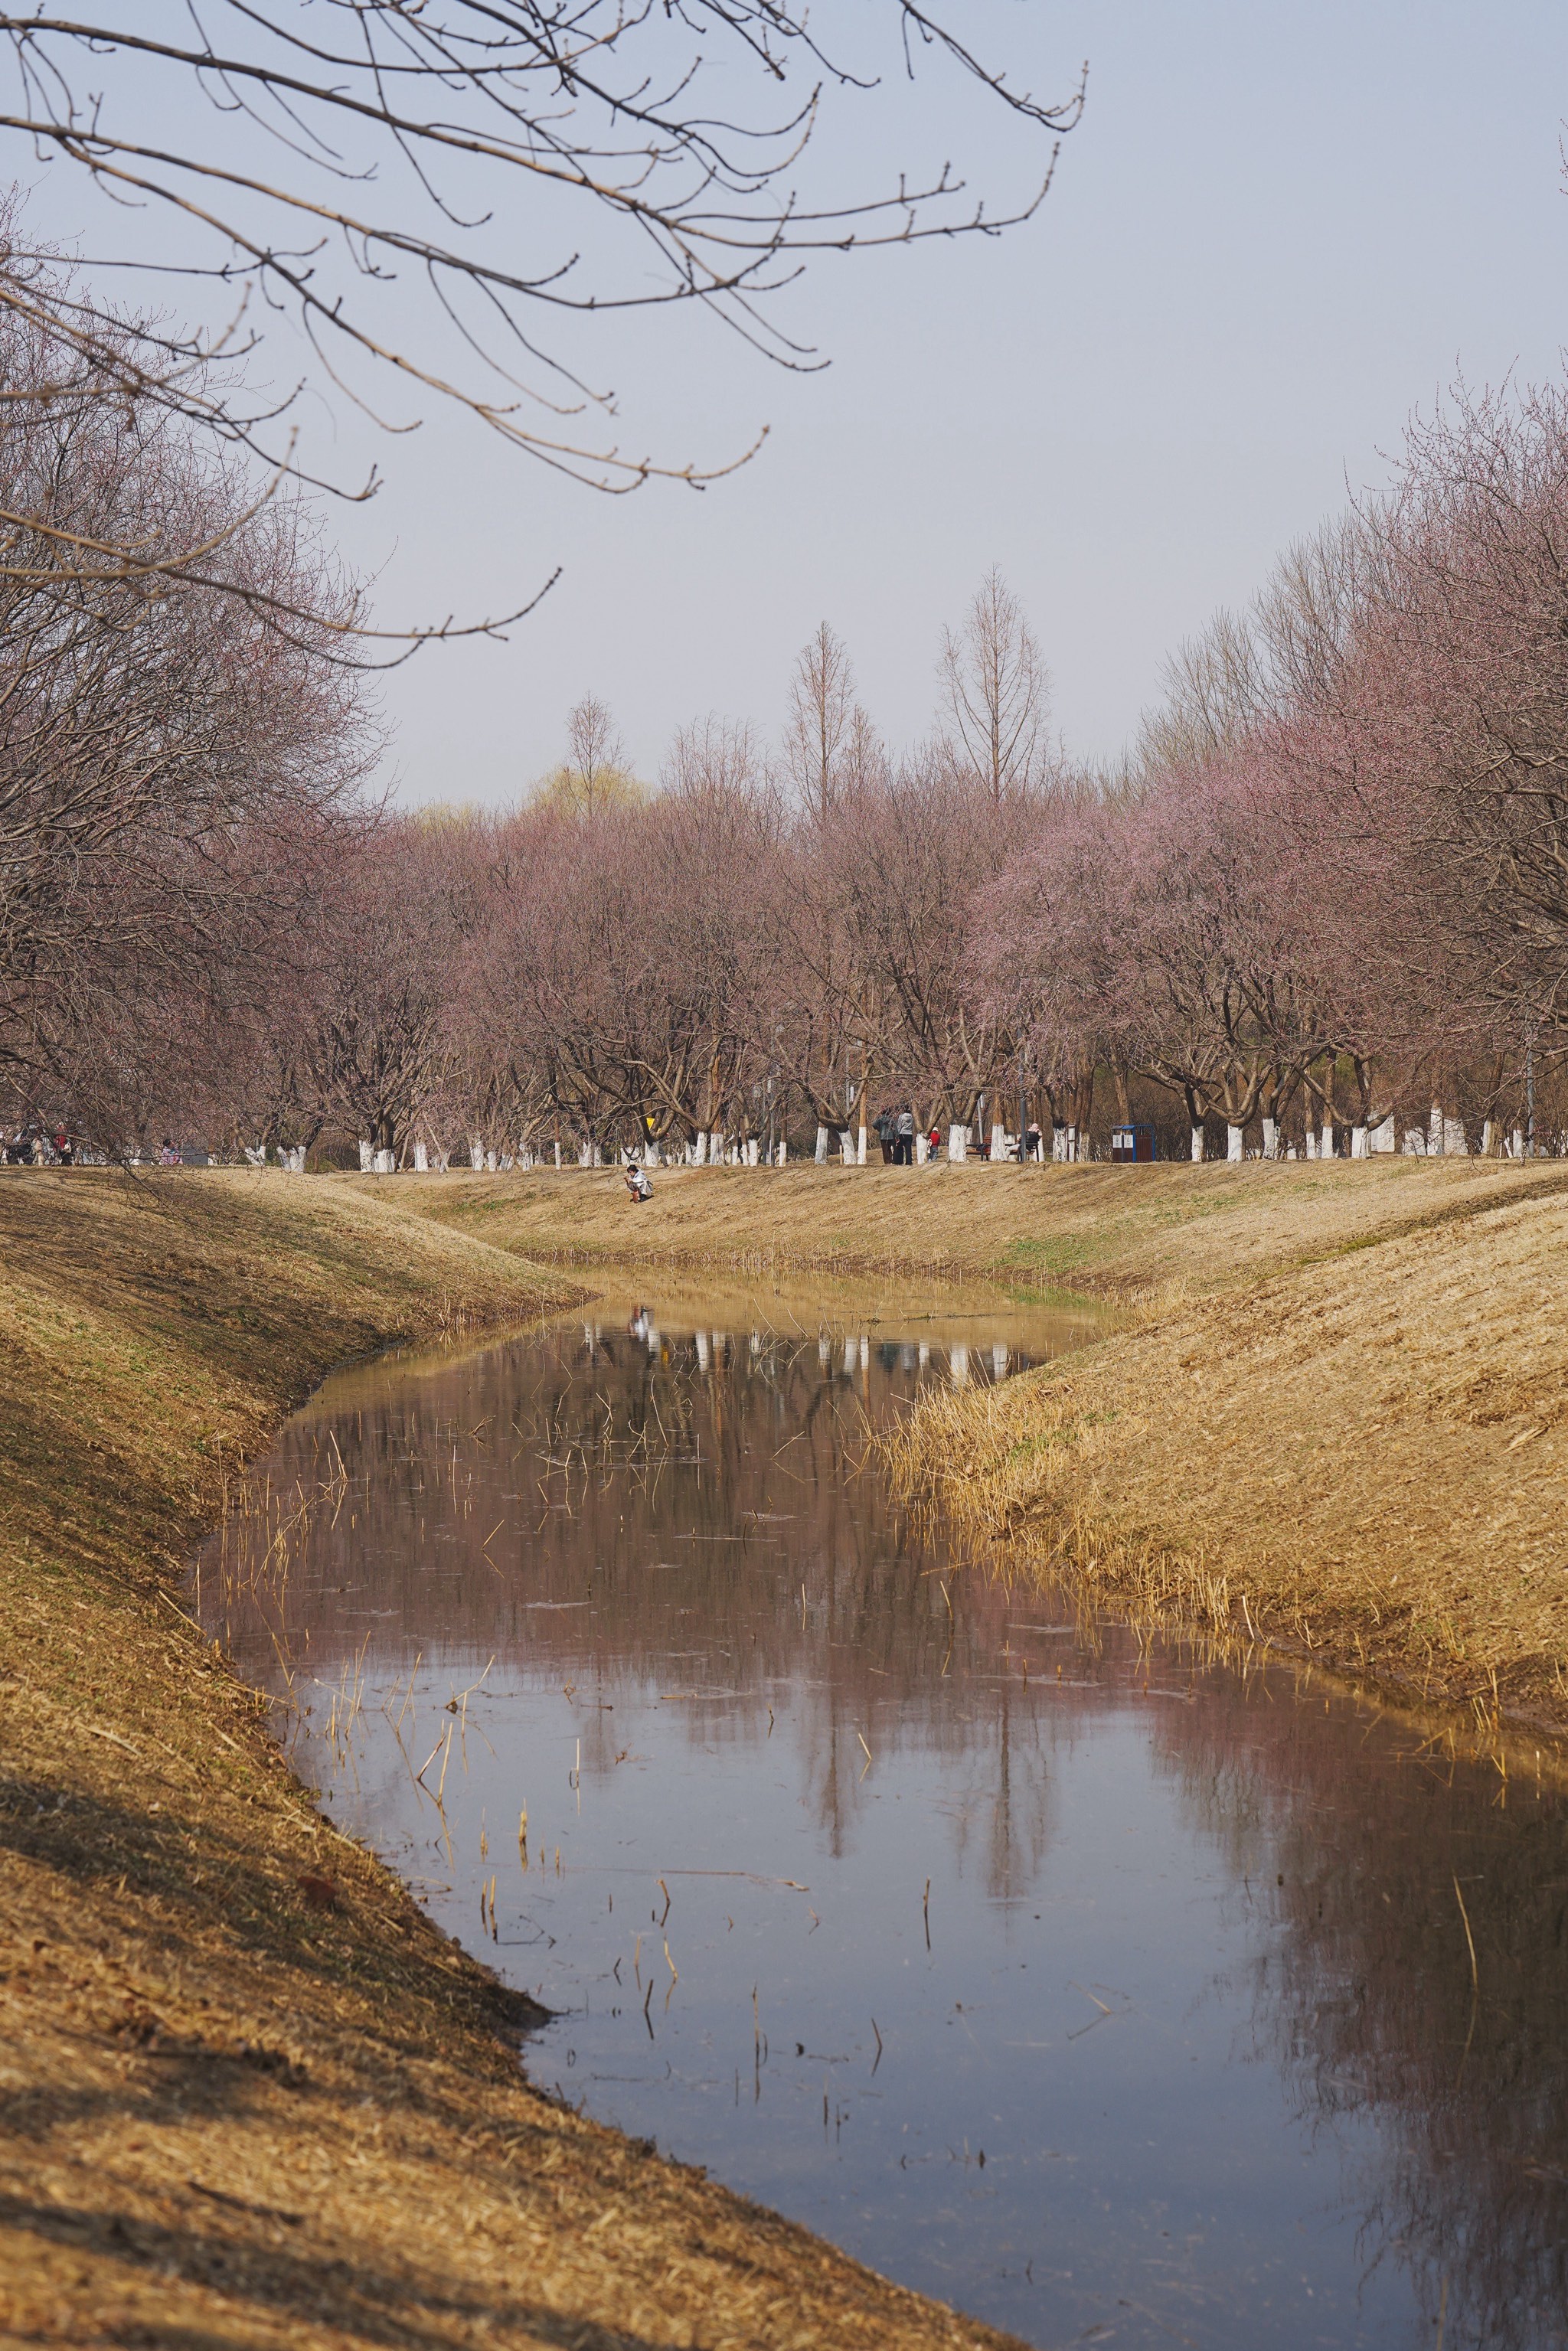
(1126, 1233)
(1365, 1454)
(251, 2097)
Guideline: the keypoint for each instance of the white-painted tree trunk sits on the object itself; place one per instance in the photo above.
(1310, 1144)
(1434, 1130)
(367, 1156)
(490, 1161)
(998, 1141)
(715, 1147)
(1453, 1138)
(922, 1149)
(476, 1154)
(1234, 1143)
(1196, 1143)
(1382, 1137)
(385, 1162)
(1518, 1139)
(699, 1150)
(420, 1160)
(1325, 1140)
(821, 1146)
(783, 1159)
(255, 1154)
(1358, 1142)
(957, 1144)
(860, 1148)
(1270, 1138)
(753, 1153)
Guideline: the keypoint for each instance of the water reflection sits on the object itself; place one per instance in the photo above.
(1102, 1994)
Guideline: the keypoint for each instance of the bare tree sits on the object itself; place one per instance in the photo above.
(595, 775)
(304, 164)
(174, 753)
(820, 733)
(996, 688)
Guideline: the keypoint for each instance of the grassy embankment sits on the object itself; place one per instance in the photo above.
(251, 2096)
(1335, 1416)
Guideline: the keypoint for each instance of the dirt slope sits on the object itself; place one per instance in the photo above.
(1122, 1232)
(1365, 1454)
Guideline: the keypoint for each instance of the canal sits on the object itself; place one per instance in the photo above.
(1108, 1994)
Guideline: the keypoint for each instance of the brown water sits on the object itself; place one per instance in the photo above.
(1111, 1997)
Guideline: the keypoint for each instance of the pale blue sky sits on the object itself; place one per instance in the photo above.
(1280, 227)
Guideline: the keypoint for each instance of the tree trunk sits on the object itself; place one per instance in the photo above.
(1270, 1138)
(957, 1144)
(1196, 1143)
(1235, 1144)
(821, 1146)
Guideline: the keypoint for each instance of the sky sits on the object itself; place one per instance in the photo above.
(1279, 229)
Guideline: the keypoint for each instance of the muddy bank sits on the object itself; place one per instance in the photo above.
(252, 2096)
(1363, 1457)
(1134, 1235)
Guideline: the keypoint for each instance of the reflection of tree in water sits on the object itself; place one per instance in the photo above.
(632, 1510)
(1366, 1996)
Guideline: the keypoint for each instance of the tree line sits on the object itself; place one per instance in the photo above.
(1320, 906)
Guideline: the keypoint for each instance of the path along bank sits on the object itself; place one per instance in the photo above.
(251, 2097)
(1335, 1415)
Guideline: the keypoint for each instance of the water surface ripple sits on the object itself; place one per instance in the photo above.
(1111, 1997)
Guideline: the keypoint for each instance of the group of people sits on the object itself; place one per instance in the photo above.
(34, 1146)
(895, 1132)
